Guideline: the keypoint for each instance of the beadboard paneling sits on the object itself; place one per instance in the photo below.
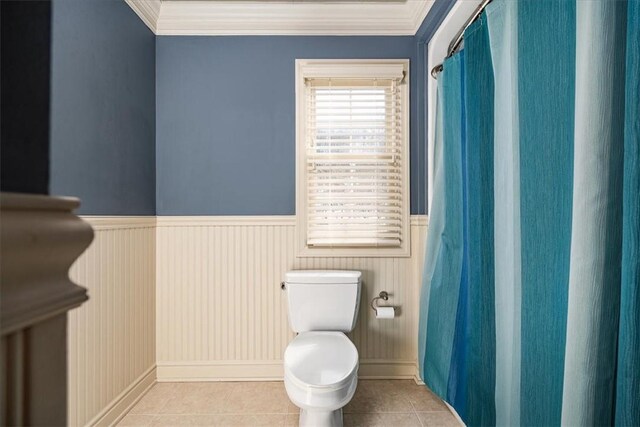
(111, 341)
(222, 315)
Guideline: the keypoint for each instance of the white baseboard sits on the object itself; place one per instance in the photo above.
(387, 369)
(270, 370)
(119, 407)
(226, 370)
(417, 377)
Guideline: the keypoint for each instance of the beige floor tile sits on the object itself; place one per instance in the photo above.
(408, 419)
(374, 396)
(292, 420)
(257, 398)
(442, 418)
(156, 398)
(198, 398)
(422, 399)
(291, 408)
(250, 420)
(136, 420)
(181, 420)
(221, 420)
(376, 402)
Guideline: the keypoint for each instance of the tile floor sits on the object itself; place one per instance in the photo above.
(394, 403)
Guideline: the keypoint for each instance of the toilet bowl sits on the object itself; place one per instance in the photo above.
(321, 362)
(320, 376)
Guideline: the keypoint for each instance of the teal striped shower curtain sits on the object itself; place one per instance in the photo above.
(530, 306)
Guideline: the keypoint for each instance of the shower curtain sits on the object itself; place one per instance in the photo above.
(530, 306)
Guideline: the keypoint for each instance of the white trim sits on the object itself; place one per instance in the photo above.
(438, 47)
(387, 369)
(148, 11)
(254, 17)
(115, 222)
(236, 220)
(420, 220)
(240, 370)
(341, 69)
(224, 370)
(104, 222)
(123, 403)
(420, 14)
(302, 250)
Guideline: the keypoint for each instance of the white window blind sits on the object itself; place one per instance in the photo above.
(354, 161)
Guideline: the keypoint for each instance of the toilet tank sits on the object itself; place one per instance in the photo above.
(323, 300)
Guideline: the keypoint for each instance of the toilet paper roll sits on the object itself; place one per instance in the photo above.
(385, 313)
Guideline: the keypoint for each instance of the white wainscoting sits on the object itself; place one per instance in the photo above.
(222, 315)
(111, 340)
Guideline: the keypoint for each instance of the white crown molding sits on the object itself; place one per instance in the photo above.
(148, 11)
(422, 9)
(255, 17)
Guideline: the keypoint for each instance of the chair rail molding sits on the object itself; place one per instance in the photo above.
(255, 17)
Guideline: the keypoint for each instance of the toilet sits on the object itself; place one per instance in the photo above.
(321, 362)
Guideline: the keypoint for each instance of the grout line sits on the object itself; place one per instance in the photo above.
(415, 413)
(420, 420)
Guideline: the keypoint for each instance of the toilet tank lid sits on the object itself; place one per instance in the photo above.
(322, 276)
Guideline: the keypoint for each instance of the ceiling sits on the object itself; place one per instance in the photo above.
(278, 17)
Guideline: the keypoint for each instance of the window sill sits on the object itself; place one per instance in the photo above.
(403, 251)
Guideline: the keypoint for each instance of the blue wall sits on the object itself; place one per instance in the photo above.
(226, 119)
(103, 107)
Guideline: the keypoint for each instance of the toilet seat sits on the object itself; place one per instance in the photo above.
(320, 372)
(321, 360)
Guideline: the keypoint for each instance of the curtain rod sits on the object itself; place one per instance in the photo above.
(457, 40)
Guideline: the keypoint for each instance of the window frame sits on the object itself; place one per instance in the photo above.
(303, 67)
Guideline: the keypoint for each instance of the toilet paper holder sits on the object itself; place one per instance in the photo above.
(384, 295)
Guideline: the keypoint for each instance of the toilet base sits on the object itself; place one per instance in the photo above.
(320, 418)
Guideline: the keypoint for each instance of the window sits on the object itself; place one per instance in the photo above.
(352, 158)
